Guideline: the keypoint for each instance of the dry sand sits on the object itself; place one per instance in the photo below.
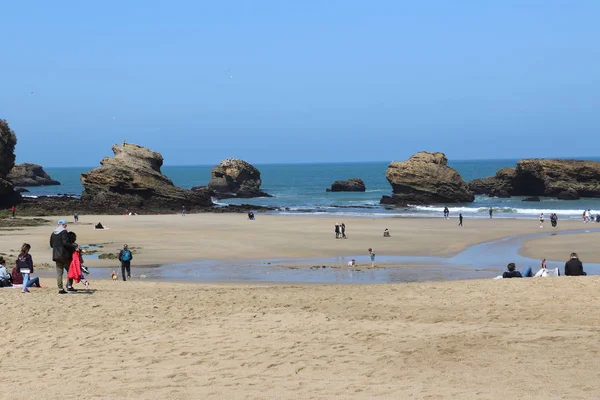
(172, 238)
(491, 339)
(496, 339)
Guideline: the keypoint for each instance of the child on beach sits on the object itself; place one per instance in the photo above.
(372, 257)
(78, 273)
(541, 220)
(25, 265)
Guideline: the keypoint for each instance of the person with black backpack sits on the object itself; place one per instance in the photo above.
(125, 256)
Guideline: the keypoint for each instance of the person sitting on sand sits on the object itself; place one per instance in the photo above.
(17, 279)
(251, 215)
(386, 233)
(352, 263)
(574, 267)
(513, 273)
(5, 278)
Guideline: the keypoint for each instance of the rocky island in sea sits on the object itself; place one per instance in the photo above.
(425, 178)
(236, 178)
(28, 174)
(133, 179)
(350, 185)
(563, 179)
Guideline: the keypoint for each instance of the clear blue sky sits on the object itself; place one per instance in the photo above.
(300, 81)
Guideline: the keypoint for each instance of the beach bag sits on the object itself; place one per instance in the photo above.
(126, 256)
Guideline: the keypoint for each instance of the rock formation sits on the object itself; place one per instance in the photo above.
(30, 175)
(8, 141)
(236, 178)
(132, 180)
(565, 179)
(351, 185)
(425, 178)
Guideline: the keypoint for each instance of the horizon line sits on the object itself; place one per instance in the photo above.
(346, 162)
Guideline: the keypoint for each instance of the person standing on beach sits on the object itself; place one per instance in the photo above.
(491, 212)
(460, 219)
(62, 254)
(183, 211)
(343, 230)
(125, 256)
(13, 211)
(337, 230)
(372, 254)
(76, 217)
(446, 212)
(25, 266)
(541, 220)
(553, 220)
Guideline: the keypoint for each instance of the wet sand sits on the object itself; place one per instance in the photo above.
(483, 339)
(162, 239)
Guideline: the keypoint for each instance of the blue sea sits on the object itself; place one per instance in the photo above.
(300, 189)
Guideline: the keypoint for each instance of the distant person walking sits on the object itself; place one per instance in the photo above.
(343, 230)
(491, 211)
(76, 217)
(460, 219)
(62, 254)
(372, 254)
(553, 220)
(13, 211)
(446, 213)
(574, 267)
(183, 211)
(125, 256)
(541, 220)
(337, 230)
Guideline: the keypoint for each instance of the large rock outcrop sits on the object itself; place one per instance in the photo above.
(565, 179)
(8, 141)
(132, 179)
(425, 178)
(350, 185)
(236, 178)
(27, 174)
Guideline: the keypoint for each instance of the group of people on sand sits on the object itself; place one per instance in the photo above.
(573, 267)
(67, 256)
(340, 230)
(553, 220)
(589, 217)
(22, 272)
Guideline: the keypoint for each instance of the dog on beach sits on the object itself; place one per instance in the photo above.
(114, 276)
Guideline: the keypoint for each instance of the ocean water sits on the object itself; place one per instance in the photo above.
(300, 189)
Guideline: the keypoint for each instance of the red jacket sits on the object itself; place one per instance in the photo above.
(75, 267)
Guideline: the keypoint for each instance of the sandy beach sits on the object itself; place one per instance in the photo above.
(484, 339)
(161, 239)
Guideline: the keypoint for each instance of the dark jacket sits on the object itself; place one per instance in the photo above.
(62, 248)
(574, 267)
(512, 274)
(25, 262)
